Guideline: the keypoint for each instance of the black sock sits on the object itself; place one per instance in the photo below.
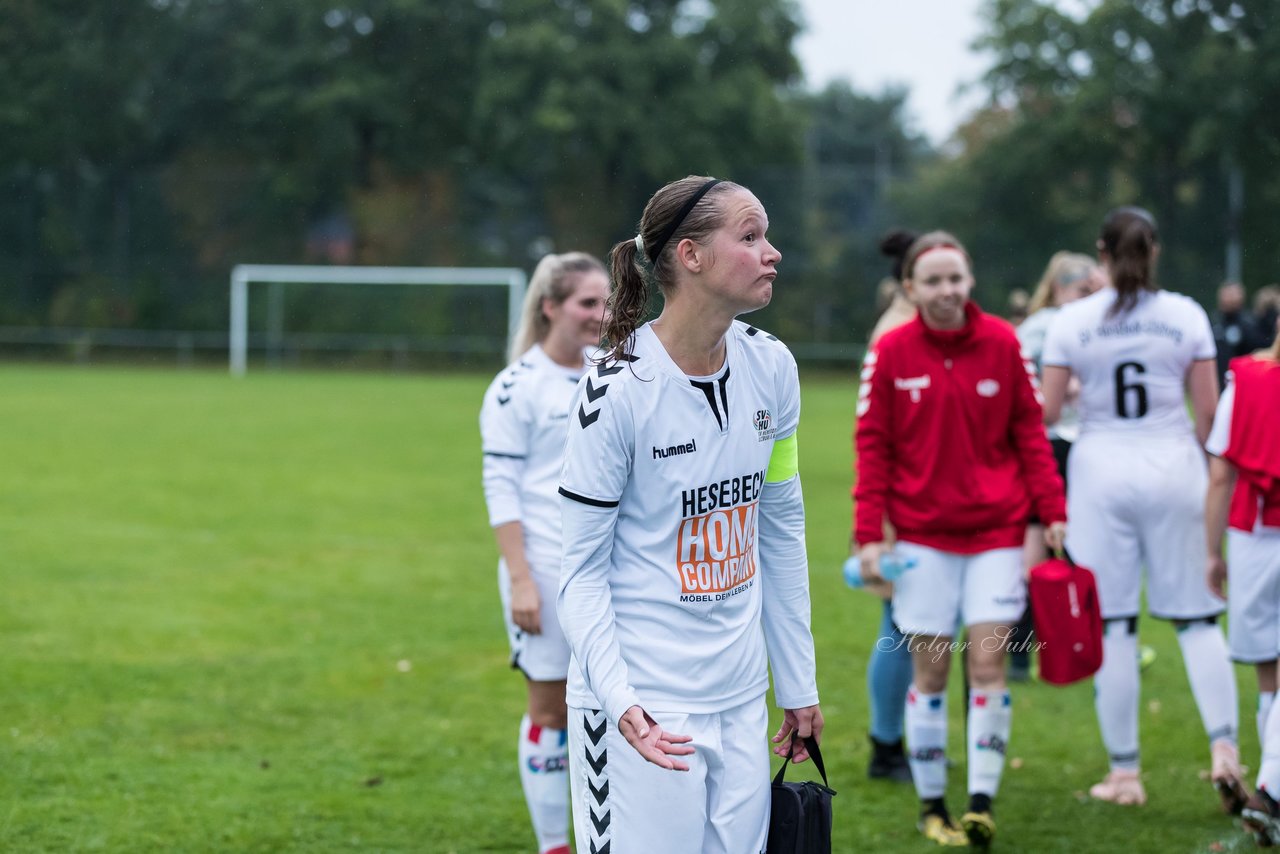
(979, 803)
(934, 806)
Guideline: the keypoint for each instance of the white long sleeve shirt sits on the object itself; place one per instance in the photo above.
(683, 571)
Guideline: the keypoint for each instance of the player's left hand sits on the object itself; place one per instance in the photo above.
(798, 724)
(1215, 573)
(1055, 536)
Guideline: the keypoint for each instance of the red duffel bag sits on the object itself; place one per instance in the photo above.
(1068, 620)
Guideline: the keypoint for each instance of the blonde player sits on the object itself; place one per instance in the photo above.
(684, 573)
(523, 425)
(1244, 494)
(1137, 484)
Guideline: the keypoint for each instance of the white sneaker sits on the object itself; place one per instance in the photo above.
(1122, 786)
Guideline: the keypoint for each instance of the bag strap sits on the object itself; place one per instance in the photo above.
(811, 744)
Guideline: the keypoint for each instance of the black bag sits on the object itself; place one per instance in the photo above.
(800, 820)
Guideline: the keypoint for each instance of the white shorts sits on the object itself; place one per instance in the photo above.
(1135, 505)
(945, 587)
(543, 657)
(719, 806)
(1253, 595)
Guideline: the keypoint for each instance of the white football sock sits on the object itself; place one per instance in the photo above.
(1269, 771)
(989, 724)
(1213, 679)
(1116, 695)
(544, 774)
(926, 728)
(1265, 699)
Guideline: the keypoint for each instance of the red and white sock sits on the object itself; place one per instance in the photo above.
(544, 774)
(990, 720)
(926, 726)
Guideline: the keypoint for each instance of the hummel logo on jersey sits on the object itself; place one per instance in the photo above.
(913, 384)
(688, 447)
(988, 388)
(586, 419)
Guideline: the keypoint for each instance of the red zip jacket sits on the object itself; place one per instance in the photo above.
(1253, 448)
(951, 440)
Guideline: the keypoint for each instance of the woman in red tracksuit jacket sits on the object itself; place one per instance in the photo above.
(952, 451)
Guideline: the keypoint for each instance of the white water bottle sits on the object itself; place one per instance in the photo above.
(891, 567)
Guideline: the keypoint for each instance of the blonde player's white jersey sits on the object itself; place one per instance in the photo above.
(661, 581)
(1133, 366)
(524, 421)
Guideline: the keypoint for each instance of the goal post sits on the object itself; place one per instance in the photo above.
(242, 275)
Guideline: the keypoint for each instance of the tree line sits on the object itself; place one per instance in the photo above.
(147, 146)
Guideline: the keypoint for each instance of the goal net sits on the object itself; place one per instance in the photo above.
(276, 276)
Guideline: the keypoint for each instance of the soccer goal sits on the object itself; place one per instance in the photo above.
(245, 274)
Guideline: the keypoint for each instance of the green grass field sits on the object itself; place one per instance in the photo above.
(261, 615)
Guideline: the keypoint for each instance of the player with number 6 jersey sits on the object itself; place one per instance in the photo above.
(1137, 478)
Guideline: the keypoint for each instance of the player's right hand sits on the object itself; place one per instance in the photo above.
(652, 742)
(869, 558)
(526, 606)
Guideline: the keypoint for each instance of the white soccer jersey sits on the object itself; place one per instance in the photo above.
(523, 425)
(1031, 334)
(675, 544)
(1132, 367)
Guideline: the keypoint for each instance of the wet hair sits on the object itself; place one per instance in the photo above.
(894, 245)
(1129, 237)
(926, 242)
(555, 278)
(1064, 268)
(633, 273)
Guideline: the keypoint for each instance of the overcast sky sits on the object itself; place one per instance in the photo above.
(921, 43)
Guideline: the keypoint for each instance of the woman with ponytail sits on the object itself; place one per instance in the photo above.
(522, 428)
(1243, 503)
(684, 577)
(1137, 479)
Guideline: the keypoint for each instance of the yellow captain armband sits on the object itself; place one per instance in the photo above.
(785, 460)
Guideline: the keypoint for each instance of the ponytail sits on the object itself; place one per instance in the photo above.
(1129, 237)
(628, 299)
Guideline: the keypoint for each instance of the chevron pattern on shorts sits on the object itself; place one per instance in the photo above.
(594, 725)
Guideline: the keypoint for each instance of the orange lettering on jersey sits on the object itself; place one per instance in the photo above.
(716, 552)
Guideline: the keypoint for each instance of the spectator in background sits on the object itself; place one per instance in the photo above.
(1017, 306)
(898, 309)
(889, 667)
(1235, 331)
(1266, 312)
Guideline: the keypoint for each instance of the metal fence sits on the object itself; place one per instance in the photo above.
(185, 348)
